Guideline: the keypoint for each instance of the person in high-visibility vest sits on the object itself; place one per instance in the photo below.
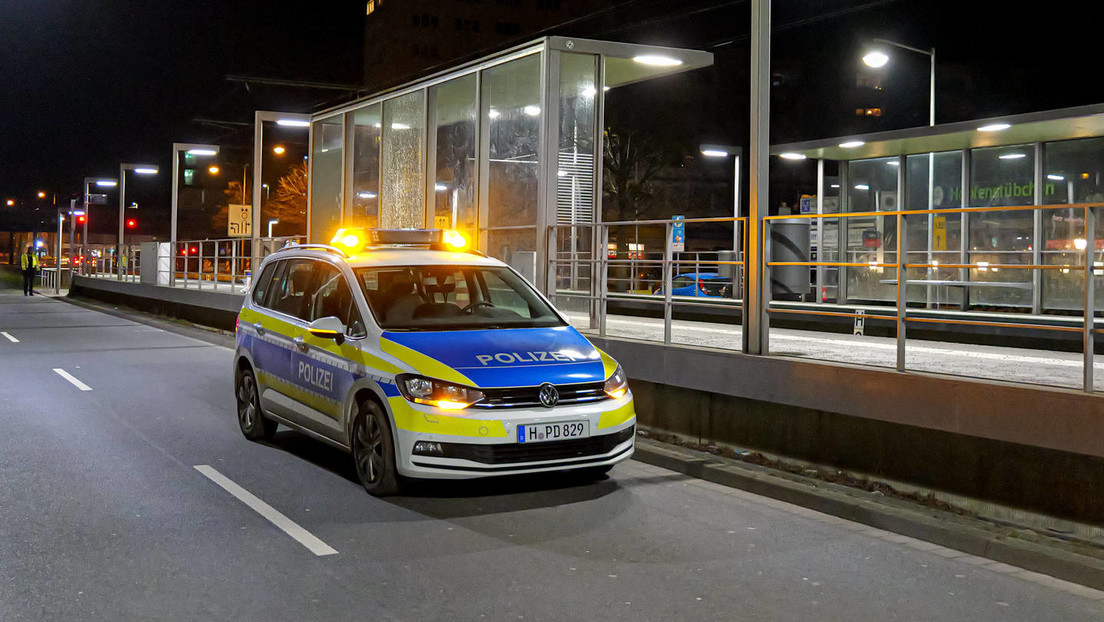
(28, 263)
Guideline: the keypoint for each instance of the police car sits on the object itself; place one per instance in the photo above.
(424, 360)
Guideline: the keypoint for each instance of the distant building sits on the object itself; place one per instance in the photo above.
(409, 38)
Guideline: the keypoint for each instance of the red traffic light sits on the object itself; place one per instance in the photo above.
(82, 219)
(131, 223)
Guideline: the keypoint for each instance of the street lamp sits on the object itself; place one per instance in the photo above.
(194, 150)
(100, 183)
(724, 151)
(878, 58)
(137, 169)
(270, 223)
(260, 117)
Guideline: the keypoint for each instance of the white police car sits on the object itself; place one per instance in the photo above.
(424, 362)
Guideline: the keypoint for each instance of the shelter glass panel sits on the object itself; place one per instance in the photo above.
(364, 203)
(1073, 174)
(511, 112)
(1001, 176)
(403, 196)
(326, 166)
(454, 190)
(575, 170)
(872, 239)
(934, 181)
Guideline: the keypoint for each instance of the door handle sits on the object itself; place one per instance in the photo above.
(260, 329)
(301, 344)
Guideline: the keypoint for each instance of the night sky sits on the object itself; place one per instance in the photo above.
(88, 84)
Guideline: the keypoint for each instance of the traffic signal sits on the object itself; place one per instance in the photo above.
(82, 219)
(132, 223)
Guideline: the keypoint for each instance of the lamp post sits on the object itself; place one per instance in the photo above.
(877, 58)
(194, 149)
(102, 183)
(137, 169)
(260, 117)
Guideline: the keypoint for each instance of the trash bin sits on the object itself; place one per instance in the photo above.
(789, 242)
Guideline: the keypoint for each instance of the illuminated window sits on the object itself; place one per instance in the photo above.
(371, 7)
(868, 112)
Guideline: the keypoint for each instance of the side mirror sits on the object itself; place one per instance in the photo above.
(328, 328)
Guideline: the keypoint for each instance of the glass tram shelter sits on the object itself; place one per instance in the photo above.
(1006, 213)
(503, 148)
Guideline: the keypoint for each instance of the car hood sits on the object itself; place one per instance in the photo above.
(516, 357)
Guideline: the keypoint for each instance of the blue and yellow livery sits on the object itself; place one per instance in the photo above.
(424, 363)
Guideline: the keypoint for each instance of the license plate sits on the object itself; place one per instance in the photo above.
(545, 432)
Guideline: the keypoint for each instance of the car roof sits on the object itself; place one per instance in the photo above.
(703, 275)
(390, 256)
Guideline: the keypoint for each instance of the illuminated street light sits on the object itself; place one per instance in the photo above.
(88, 182)
(138, 169)
(878, 58)
(194, 150)
(278, 150)
(213, 169)
(716, 152)
(657, 60)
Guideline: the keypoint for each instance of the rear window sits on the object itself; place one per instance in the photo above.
(452, 298)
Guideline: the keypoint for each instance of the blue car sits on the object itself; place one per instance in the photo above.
(699, 284)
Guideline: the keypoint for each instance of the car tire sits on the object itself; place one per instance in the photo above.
(374, 451)
(254, 425)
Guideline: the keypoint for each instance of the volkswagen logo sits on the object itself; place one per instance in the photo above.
(549, 396)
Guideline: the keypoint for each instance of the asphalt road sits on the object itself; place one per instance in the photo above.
(104, 515)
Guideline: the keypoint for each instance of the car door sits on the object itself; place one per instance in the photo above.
(284, 308)
(324, 368)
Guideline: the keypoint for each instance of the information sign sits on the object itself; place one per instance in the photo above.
(240, 221)
(678, 234)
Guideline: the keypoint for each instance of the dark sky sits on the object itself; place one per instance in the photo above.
(87, 84)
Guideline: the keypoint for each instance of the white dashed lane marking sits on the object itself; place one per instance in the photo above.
(271, 514)
(9, 337)
(76, 383)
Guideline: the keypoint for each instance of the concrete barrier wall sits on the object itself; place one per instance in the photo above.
(209, 308)
(1033, 448)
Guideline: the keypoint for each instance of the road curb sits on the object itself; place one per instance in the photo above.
(930, 525)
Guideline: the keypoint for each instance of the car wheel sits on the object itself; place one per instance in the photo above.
(254, 425)
(374, 451)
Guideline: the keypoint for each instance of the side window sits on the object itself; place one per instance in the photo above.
(290, 292)
(355, 325)
(332, 296)
(261, 285)
(275, 284)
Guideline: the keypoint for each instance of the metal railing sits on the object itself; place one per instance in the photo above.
(901, 283)
(585, 248)
(192, 264)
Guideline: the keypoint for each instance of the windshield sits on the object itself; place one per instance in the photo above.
(452, 298)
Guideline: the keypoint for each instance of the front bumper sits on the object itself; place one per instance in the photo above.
(471, 446)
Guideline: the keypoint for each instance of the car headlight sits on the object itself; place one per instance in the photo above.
(433, 392)
(617, 385)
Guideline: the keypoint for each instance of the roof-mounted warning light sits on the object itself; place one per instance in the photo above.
(356, 239)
